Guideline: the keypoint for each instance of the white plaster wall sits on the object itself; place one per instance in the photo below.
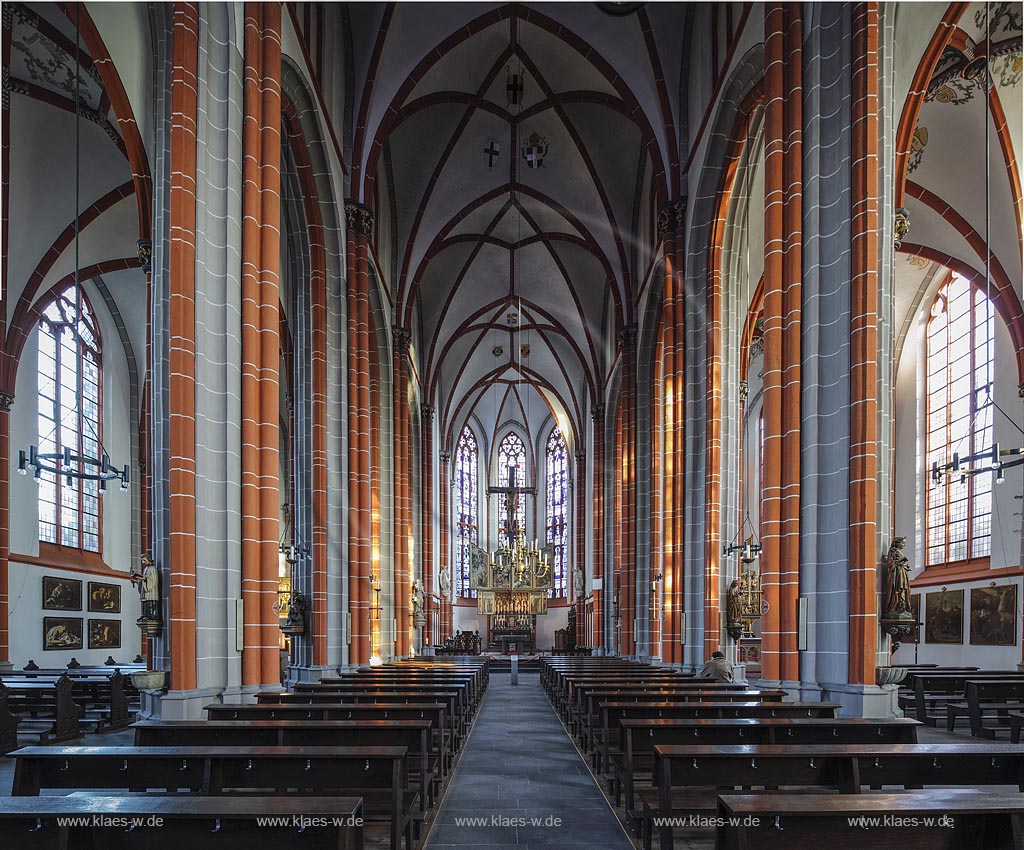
(26, 619)
(25, 582)
(911, 493)
(962, 655)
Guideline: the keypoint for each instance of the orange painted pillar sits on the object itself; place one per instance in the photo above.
(771, 476)
(627, 474)
(579, 543)
(359, 221)
(792, 303)
(597, 414)
(427, 520)
(403, 491)
(444, 529)
(864, 553)
(261, 227)
(182, 354)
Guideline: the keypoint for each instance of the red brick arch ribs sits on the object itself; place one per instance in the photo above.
(864, 553)
(261, 262)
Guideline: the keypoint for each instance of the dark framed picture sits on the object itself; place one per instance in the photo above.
(994, 615)
(104, 634)
(62, 594)
(915, 609)
(62, 632)
(944, 617)
(104, 598)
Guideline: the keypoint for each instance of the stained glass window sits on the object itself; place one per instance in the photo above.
(69, 416)
(511, 455)
(960, 366)
(558, 509)
(466, 507)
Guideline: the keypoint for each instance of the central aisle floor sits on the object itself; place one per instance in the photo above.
(518, 773)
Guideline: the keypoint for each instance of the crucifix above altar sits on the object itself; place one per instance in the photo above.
(514, 579)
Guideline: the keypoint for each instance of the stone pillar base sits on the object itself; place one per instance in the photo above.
(861, 700)
(188, 705)
(297, 673)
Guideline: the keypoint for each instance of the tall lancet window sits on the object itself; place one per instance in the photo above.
(558, 508)
(960, 367)
(466, 506)
(511, 455)
(69, 417)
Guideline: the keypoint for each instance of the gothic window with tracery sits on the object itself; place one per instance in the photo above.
(960, 341)
(69, 418)
(558, 509)
(511, 455)
(466, 506)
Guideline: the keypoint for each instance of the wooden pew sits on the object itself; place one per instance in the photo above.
(8, 724)
(639, 736)
(377, 774)
(450, 699)
(199, 823)
(436, 712)
(932, 691)
(47, 708)
(586, 713)
(415, 735)
(846, 768)
(613, 712)
(936, 819)
(101, 698)
(459, 696)
(983, 698)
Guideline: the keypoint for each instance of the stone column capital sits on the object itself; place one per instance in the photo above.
(672, 216)
(444, 456)
(401, 339)
(901, 226)
(6, 400)
(359, 218)
(581, 457)
(597, 411)
(626, 337)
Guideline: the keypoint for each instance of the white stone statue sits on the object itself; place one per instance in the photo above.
(148, 584)
(417, 601)
(445, 579)
(579, 586)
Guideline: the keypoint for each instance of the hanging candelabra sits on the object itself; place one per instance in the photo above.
(70, 464)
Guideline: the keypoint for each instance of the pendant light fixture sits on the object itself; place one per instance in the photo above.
(70, 464)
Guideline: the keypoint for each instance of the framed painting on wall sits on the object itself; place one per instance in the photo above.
(944, 617)
(104, 634)
(994, 615)
(62, 594)
(62, 632)
(104, 598)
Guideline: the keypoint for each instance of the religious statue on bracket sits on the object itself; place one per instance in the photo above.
(147, 583)
(418, 617)
(898, 620)
(578, 583)
(295, 621)
(445, 580)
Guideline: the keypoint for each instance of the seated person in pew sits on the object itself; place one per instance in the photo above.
(718, 668)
